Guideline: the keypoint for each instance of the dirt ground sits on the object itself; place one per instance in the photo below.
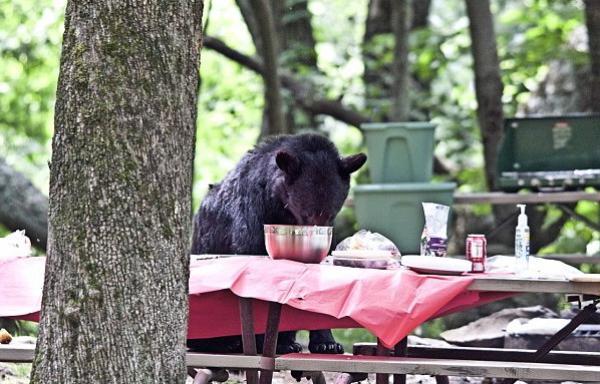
(19, 374)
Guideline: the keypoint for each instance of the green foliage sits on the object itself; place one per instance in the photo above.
(530, 33)
(529, 37)
(30, 36)
(347, 337)
(576, 236)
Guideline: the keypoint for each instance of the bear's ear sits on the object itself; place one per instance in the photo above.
(353, 162)
(288, 163)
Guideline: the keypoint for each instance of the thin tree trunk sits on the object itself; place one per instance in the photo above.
(23, 206)
(297, 52)
(420, 13)
(377, 89)
(488, 84)
(274, 104)
(249, 15)
(400, 67)
(114, 308)
(592, 19)
(380, 92)
(297, 43)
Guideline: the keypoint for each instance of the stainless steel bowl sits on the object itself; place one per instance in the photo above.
(303, 243)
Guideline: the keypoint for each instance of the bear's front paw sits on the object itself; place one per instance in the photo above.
(291, 347)
(330, 347)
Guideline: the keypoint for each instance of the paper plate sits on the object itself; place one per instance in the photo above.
(436, 265)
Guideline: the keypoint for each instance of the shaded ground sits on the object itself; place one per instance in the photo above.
(19, 374)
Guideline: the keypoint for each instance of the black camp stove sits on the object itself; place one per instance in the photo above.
(550, 153)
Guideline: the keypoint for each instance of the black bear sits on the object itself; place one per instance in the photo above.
(291, 179)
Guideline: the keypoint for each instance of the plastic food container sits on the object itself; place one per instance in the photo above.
(365, 259)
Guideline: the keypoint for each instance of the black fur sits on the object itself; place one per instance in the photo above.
(299, 179)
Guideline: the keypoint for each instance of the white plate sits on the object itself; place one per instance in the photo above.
(436, 265)
(362, 254)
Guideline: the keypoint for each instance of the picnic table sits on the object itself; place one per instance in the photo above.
(251, 295)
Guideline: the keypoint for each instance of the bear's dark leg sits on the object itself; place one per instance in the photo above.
(322, 341)
(225, 344)
(286, 343)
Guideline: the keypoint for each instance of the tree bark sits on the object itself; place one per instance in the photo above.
(23, 206)
(114, 308)
(266, 29)
(400, 67)
(488, 84)
(592, 19)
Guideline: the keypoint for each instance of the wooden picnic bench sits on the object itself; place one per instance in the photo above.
(24, 353)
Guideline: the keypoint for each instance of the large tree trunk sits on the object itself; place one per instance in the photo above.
(114, 308)
(23, 206)
(592, 19)
(270, 46)
(488, 84)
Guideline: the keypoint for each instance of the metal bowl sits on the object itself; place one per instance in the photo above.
(303, 243)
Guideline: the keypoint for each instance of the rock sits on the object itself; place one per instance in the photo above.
(570, 313)
(423, 341)
(488, 332)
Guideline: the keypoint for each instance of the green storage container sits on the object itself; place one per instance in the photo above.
(395, 210)
(400, 152)
(543, 152)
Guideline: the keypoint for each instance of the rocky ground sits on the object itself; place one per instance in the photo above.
(19, 374)
(14, 373)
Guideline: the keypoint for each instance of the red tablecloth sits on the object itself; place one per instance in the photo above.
(388, 303)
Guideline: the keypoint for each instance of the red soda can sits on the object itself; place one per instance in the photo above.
(476, 248)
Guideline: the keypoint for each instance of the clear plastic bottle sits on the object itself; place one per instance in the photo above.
(522, 243)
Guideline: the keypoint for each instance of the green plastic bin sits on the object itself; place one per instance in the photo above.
(395, 210)
(400, 152)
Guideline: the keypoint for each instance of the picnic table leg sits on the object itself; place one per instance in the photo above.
(575, 322)
(270, 343)
(248, 336)
(401, 349)
(382, 378)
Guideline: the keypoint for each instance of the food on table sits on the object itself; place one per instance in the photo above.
(366, 249)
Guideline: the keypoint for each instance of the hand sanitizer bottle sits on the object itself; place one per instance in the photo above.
(522, 243)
